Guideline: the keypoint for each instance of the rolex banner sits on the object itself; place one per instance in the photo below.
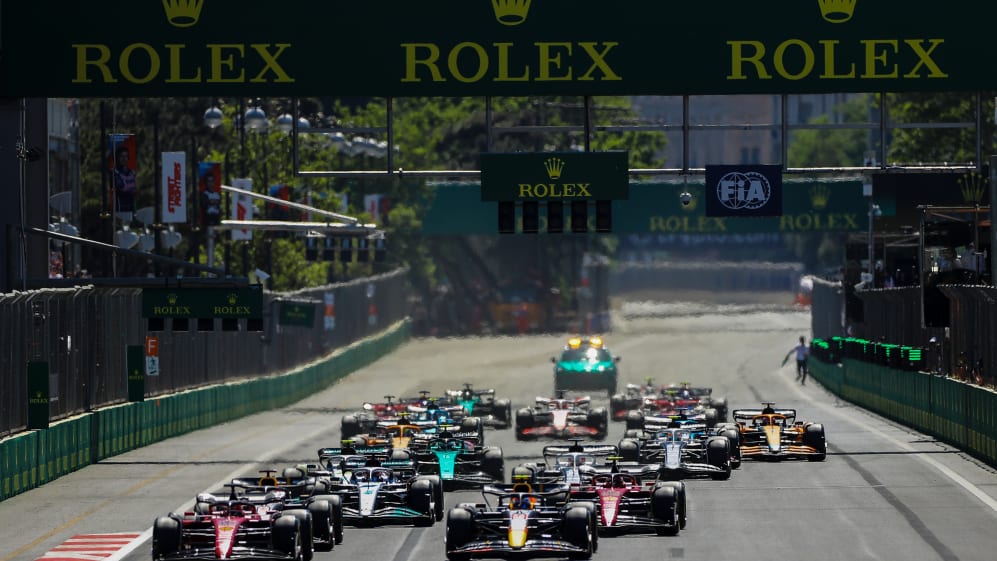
(743, 191)
(174, 187)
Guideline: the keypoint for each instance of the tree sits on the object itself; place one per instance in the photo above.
(937, 145)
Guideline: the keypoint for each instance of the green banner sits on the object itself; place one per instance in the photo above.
(296, 313)
(135, 364)
(555, 176)
(808, 206)
(187, 48)
(202, 302)
(38, 394)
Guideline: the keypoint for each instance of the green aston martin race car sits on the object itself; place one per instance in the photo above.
(585, 364)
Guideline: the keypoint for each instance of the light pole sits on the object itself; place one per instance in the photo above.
(255, 119)
(874, 211)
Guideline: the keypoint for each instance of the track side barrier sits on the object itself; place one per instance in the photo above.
(33, 458)
(958, 413)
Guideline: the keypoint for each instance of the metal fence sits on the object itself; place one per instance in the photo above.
(964, 350)
(83, 334)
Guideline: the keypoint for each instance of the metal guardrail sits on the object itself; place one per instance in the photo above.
(83, 333)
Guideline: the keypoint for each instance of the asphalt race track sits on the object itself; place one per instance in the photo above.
(884, 492)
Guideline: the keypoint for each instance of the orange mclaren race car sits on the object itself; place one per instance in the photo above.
(775, 434)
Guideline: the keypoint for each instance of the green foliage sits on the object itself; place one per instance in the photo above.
(832, 147)
(939, 145)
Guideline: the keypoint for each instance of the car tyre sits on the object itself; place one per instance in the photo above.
(166, 536)
(460, 530)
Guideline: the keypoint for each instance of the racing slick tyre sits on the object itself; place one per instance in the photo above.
(720, 404)
(718, 455)
(323, 535)
(359, 440)
(471, 424)
(617, 405)
(305, 529)
(635, 420)
(420, 499)
(165, 536)
(711, 417)
(633, 433)
(813, 435)
(285, 536)
(664, 509)
(460, 530)
(350, 426)
(493, 464)
(503, 411)
(593, 520)
(733, 437)
(437, 485)
(336, 515)
(576, 527)
(629, 450)
(599, 418)
(680, 506)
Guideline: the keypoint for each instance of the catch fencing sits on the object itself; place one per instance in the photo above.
(964, 350)
(83, 334)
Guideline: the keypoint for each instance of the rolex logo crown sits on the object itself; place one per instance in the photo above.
(554, 167)
(819, 196)
(511, 12)
(172, 299)
(232, 299)
(972, 186)
(183, 13)
(836, 11)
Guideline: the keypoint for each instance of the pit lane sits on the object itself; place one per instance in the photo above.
(884, 492)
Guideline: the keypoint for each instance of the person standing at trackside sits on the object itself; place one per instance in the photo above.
(802, 354)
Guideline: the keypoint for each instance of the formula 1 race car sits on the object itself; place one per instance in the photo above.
(262, 521)
(366, 420)
(496, 413)
(673, 396)
(458, 459)
(681, 453)
(562, 418)
(566, 465)
(517, 522)
(635, 501)
(585, 364)
(389, 492)
(775, 434)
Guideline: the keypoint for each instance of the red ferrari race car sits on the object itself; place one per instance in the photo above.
(562, 418)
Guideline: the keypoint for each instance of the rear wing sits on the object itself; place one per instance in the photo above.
(595, 449)
(748, 414)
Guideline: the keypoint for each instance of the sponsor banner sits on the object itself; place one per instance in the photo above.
(329, 320)
(202, 302)
(809, 206)
(174, 207)
(296, 312)
(372, 204)
(187, 48)
(743, 191)
(242, 208)
(122, 161)
(209, 188)
(554, 176)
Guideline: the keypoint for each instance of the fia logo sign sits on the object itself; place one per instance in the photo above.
(748, 190)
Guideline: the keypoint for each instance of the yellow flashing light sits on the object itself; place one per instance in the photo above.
(595, 341)
(574, 342)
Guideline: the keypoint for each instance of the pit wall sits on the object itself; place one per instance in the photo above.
(958, 413)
